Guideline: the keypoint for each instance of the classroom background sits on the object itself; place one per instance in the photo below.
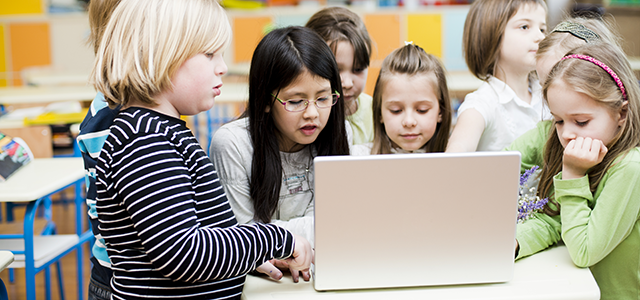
(45, 63)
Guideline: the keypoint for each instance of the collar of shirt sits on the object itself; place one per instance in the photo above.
(506, 94)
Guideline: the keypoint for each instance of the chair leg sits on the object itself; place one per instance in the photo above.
(30, 282)
(12, 276)
(60, 282)
(9, 207)
(47, 283)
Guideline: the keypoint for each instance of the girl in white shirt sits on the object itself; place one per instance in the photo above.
(411, 107)
(500, 40)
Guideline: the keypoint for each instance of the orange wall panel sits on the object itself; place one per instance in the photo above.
(30, 46)
(18, 7)
(372, 76)
(247, 33)
(385, 33)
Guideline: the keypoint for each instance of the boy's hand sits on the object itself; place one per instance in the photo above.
(580, 155)
(301, 259)
(270, 270)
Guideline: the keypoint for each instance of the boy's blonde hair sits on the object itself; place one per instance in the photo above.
(412, 60)
(99, 14)
(593, 81)
(338, 24)
(483, 31)
(146, 41)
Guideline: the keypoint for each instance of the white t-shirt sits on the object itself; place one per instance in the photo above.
(506, 116)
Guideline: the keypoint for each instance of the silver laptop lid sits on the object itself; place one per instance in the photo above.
(415, 219)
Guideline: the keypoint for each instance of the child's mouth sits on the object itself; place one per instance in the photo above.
(309, 129)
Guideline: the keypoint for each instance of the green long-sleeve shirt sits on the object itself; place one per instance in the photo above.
(601, 230)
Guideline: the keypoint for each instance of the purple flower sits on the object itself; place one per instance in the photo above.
(528, 200)
(525, 176)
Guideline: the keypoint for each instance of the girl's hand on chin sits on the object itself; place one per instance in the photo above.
(580, 155)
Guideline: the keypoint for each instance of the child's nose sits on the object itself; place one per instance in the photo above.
(347, 83)
(221, 67)
(539, 36)
(311, 112)
(409, 121)
(568, 134)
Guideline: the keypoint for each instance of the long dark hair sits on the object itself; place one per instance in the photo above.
(279, 58)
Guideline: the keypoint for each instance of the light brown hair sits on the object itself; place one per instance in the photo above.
(99, 12)
(483, 31)
(338, 24)
(559, 42)
(412, 60)
(591, 80)
(146, 41)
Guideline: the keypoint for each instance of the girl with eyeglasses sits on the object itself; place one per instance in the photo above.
(294, 113)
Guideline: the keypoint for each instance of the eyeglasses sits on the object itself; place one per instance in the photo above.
(296, 105)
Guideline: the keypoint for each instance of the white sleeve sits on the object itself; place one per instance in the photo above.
(481, 104)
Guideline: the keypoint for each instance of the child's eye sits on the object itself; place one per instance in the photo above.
(423, 110)
(295, 102)
(543, 30)
(395, 111)
(558, 122)
(209, 55)
(582, 123)
(358, 70)
(525, 27)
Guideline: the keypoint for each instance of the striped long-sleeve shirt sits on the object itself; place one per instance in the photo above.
(163, 214)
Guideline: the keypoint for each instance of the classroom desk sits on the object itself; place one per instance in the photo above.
(45, 94)
(547, 275)
(33, 184)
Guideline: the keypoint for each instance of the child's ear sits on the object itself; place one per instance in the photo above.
(624, 109)
(440, 117)
(267, 109)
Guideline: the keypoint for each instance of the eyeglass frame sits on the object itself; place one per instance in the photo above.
(307, 101)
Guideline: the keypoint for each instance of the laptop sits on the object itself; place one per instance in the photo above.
(403, 220)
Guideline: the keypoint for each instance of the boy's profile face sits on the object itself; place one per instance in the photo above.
(195, 85)
(353, 80)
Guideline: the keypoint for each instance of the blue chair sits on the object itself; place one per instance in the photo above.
(37, 253)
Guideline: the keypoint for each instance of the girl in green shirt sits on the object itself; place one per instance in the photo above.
(591, 168)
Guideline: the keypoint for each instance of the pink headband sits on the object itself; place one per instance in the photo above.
(604, 67)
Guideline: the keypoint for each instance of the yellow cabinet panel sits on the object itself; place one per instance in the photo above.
(425, 30)
(18, 7)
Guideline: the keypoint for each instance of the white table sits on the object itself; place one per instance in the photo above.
(547, 275)
(33, 184)
(45, 94)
